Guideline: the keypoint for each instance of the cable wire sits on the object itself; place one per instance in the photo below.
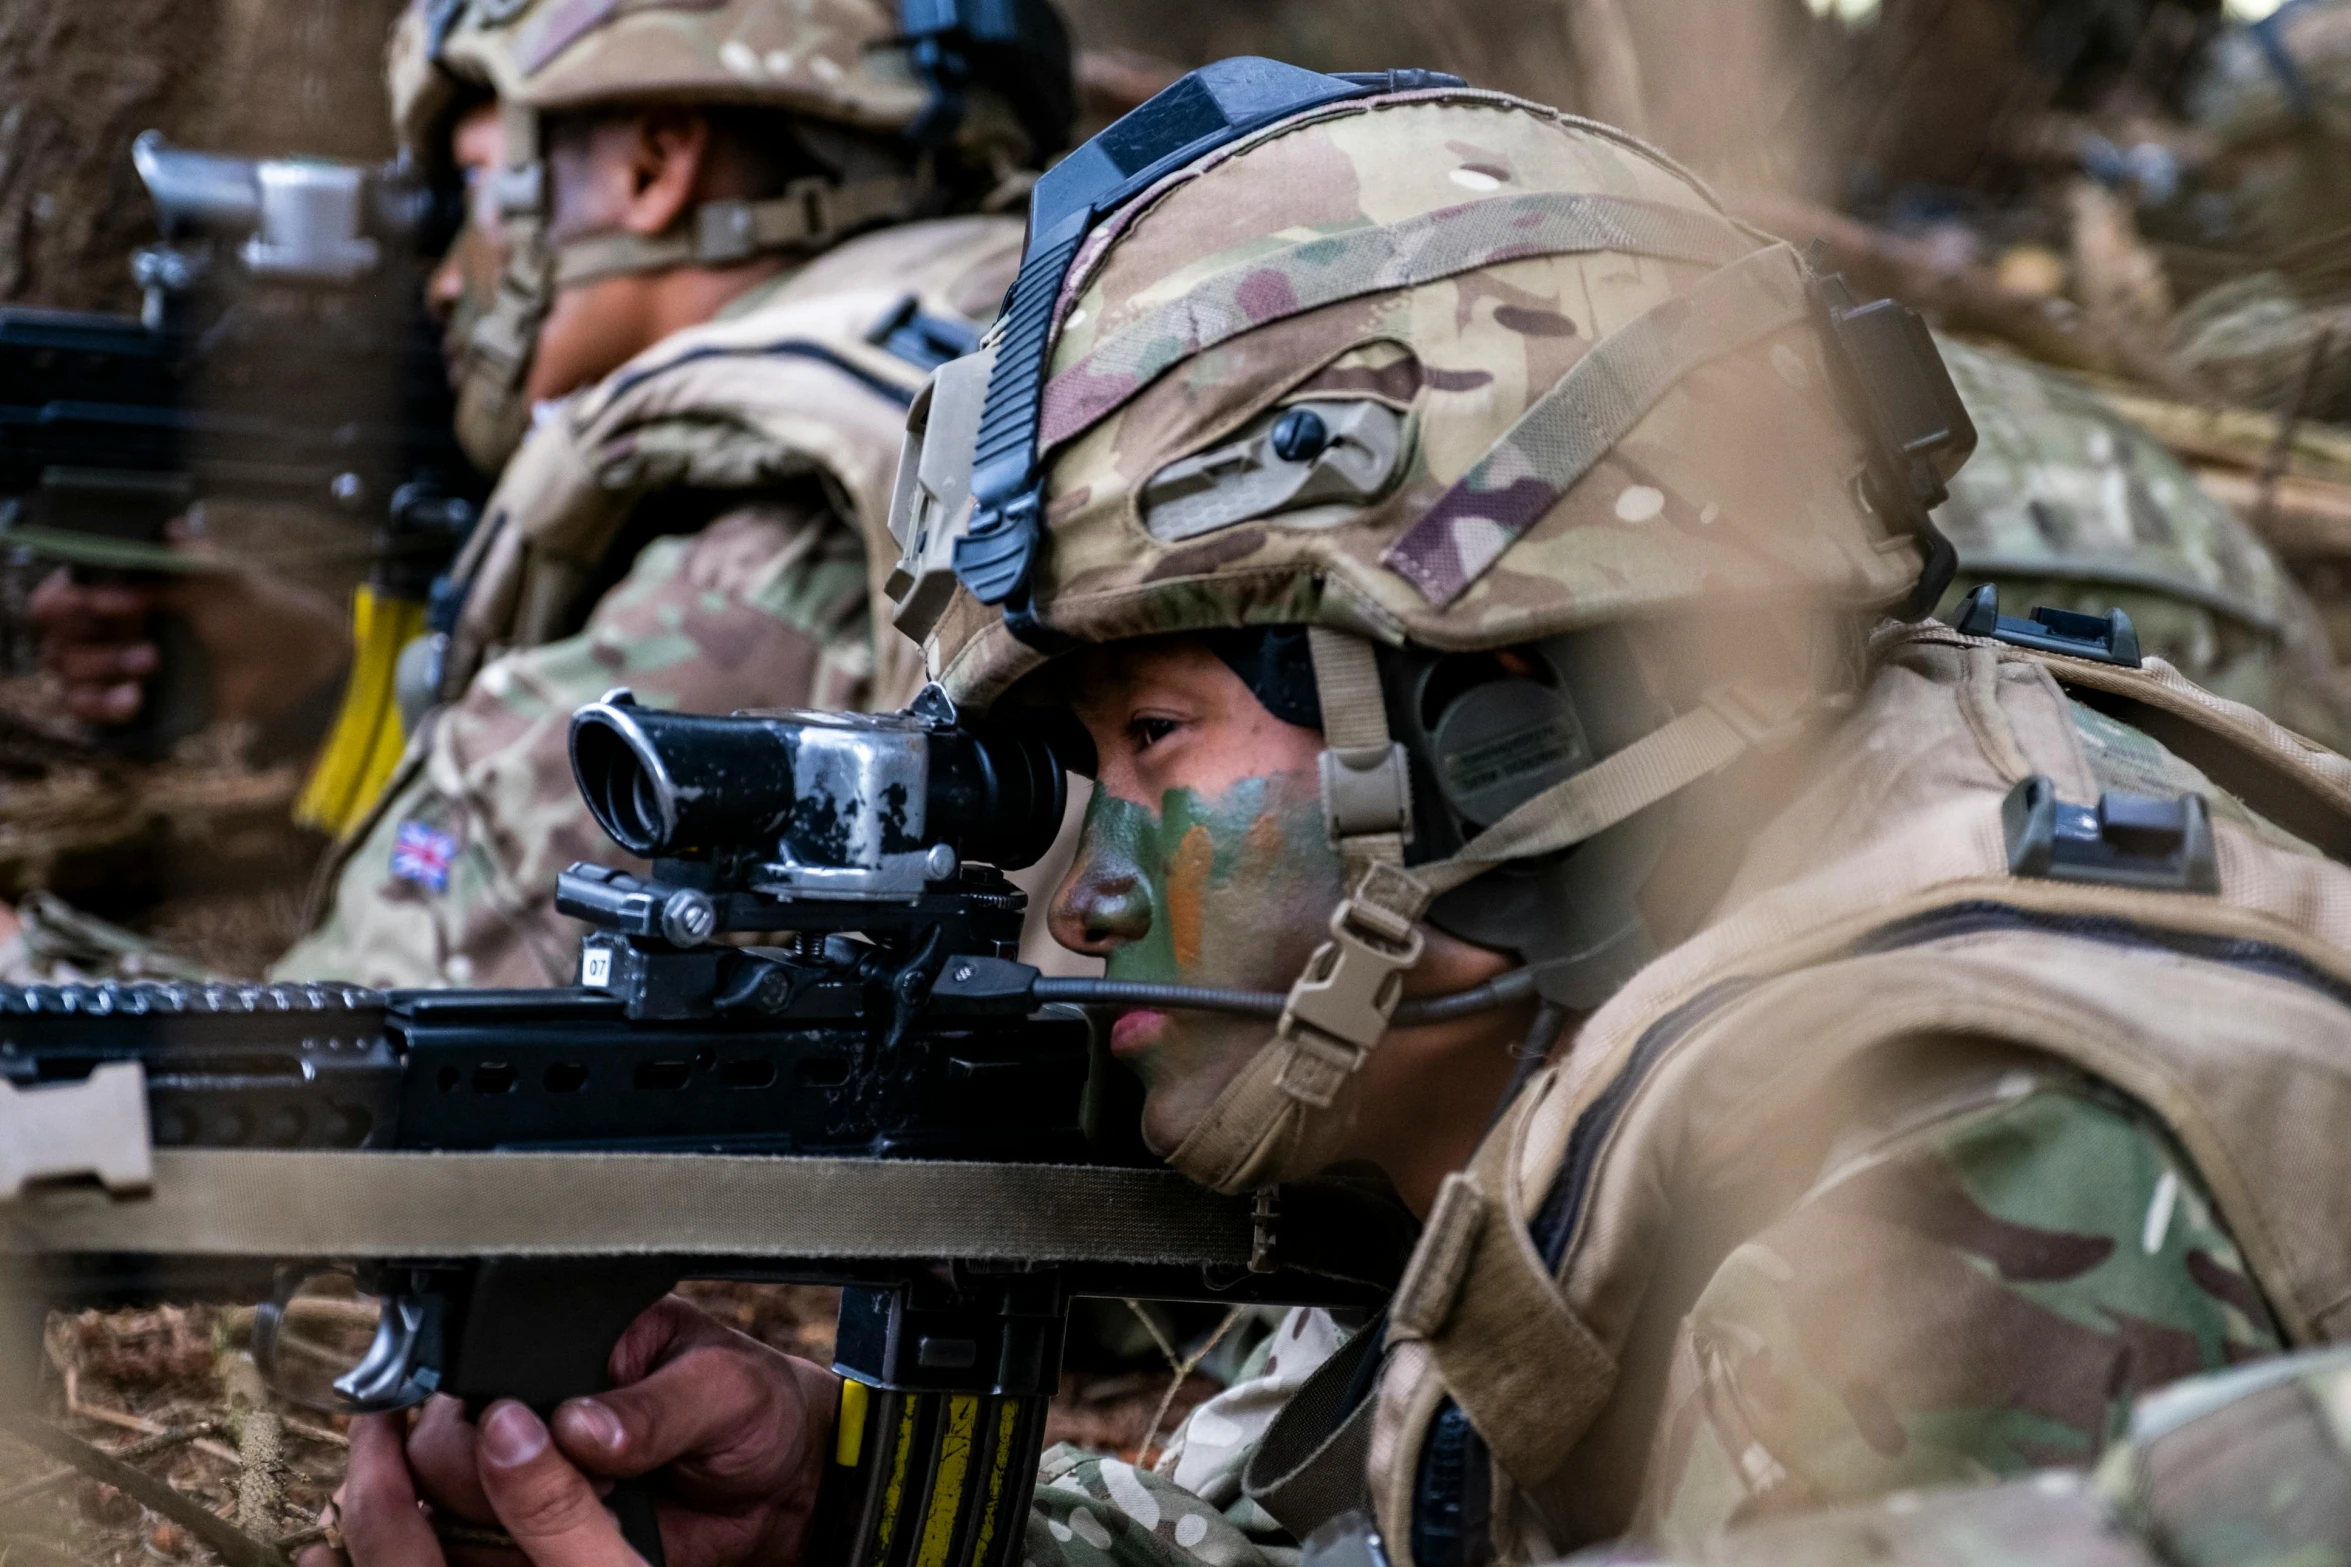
(1501, 991)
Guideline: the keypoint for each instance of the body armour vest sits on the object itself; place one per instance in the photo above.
(1959, 872)
(808, 381)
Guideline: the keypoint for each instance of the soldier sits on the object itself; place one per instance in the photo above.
(1453, 547)
(726, 253)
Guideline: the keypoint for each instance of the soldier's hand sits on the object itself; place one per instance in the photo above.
(94, 639)
(269, 643)
(733, 1434)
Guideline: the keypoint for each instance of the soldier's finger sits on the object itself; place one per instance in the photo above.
(442, 1450)
(100, 661)
(546, 1504)
(668, 1328)
(98, 703)
(743, 1401)
(115, 601)
(60, 598)
(382, 1524)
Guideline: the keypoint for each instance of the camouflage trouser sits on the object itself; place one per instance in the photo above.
(1093, 1511)
(451, 881)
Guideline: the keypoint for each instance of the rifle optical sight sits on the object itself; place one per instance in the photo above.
(818, 804)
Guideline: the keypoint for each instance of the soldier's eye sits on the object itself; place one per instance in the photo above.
(1148, 732)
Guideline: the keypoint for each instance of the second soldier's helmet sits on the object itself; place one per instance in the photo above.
(943, 86)
(1470, 391)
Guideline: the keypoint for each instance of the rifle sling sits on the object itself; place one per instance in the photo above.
(355, 1206)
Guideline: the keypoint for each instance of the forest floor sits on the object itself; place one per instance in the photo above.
(226, 1470)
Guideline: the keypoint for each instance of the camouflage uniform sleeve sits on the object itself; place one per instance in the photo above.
(1982, 1293)
(1092, 1511)
(452, 880)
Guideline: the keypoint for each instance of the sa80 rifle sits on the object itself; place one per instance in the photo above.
(282, 355)
(802, 1049)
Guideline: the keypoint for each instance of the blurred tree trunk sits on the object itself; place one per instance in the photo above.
(79, 80)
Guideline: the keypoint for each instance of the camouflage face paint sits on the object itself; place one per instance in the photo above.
(1233, 889)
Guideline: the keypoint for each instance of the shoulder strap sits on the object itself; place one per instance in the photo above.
(1310, 1466)
(2301, 787)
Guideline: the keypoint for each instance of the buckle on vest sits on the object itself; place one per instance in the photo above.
(2110, 639)
(2125, 840)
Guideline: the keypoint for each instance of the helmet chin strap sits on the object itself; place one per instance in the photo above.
(812, 214)
(493, 412)
(493, 409)
(1288, 1113)
(1285, 1115)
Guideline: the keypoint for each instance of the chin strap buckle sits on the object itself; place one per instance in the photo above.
(1339, 1007)
(1367, 792)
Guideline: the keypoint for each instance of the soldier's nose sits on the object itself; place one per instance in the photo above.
(1100, 908)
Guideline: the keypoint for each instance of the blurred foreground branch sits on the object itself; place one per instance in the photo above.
(234, 1545)
(1967, 296)
(1609, 64)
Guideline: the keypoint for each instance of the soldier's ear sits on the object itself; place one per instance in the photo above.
(669, 158)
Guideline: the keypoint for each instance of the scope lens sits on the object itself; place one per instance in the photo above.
(645, 798)
(681, 784)
(622, 787)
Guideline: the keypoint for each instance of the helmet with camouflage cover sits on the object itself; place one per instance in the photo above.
(938, 85)
(1472, 391)
(2067, 503)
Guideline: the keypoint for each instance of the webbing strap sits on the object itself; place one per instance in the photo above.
(1366, 784)
(1309, 1467)
(1592, 408)
(1347, 682)
(1338, 1008)
(1726, 725)
(812, 212)
(352, 1206)
(1375, 259)
(1516, 1359)
(1277, 1114)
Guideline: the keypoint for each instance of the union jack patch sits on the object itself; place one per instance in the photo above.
(422, 853)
